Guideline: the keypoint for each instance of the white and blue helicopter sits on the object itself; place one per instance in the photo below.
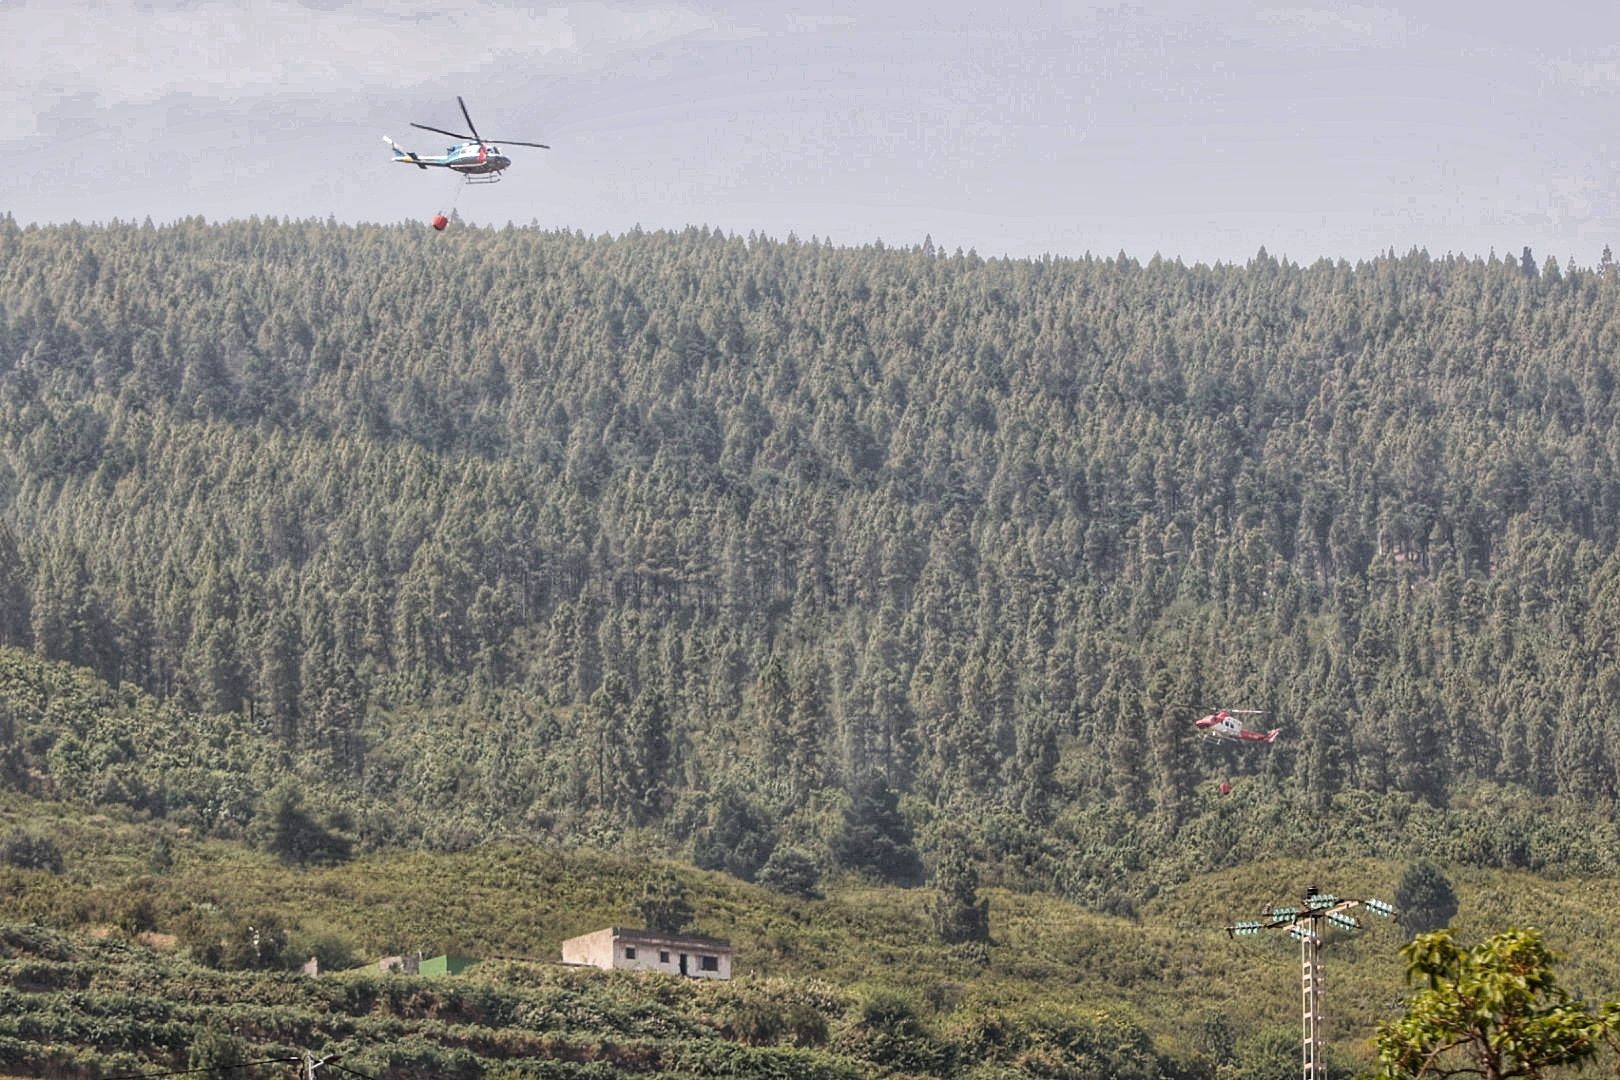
(476, 158)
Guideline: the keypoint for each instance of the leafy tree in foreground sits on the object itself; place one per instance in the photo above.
(1424, 899)
(1494, 1011)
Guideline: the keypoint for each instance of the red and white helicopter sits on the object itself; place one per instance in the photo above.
(1224, 724)
(476, 158)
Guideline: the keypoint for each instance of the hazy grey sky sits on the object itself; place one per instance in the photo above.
(1194, 130)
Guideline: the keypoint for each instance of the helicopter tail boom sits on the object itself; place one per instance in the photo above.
(403, 155)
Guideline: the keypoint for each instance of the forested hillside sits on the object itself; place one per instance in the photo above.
(743, 544)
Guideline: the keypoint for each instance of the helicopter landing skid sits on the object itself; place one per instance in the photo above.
(492, 178)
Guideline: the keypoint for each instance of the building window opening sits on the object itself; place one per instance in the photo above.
(708, 963)
(629, 952)
(663, 957)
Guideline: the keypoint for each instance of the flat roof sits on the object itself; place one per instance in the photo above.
(655, 937)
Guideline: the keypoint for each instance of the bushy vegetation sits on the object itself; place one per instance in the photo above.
(28, 852)
(109, 1006)
(855, 984)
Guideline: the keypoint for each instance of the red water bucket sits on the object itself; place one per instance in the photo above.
(440, 221)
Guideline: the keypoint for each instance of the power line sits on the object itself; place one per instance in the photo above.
(203, 1069)
(309, 1063)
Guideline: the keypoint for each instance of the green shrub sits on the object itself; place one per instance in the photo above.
(792, 872)
(889, 1032)
(28, 852)
(138, 917)
(33, 941)
(213, 1048)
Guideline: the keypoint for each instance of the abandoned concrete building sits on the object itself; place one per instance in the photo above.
(647, 950)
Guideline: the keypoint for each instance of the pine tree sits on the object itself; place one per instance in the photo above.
(1424, 899)
(607, 726)
(651, 756)
(959, 913)
(277, 682)
(14, 593)
(876, 839)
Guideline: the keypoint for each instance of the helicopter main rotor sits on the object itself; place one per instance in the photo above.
(475, 137)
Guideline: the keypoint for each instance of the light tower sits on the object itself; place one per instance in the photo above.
(1305, 925)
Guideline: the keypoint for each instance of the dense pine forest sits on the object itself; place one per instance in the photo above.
(751, 550)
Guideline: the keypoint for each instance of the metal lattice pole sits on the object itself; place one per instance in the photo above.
(1305, 924)
(1310, 959)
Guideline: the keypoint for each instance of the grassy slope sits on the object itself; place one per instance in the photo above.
(1169, 971)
